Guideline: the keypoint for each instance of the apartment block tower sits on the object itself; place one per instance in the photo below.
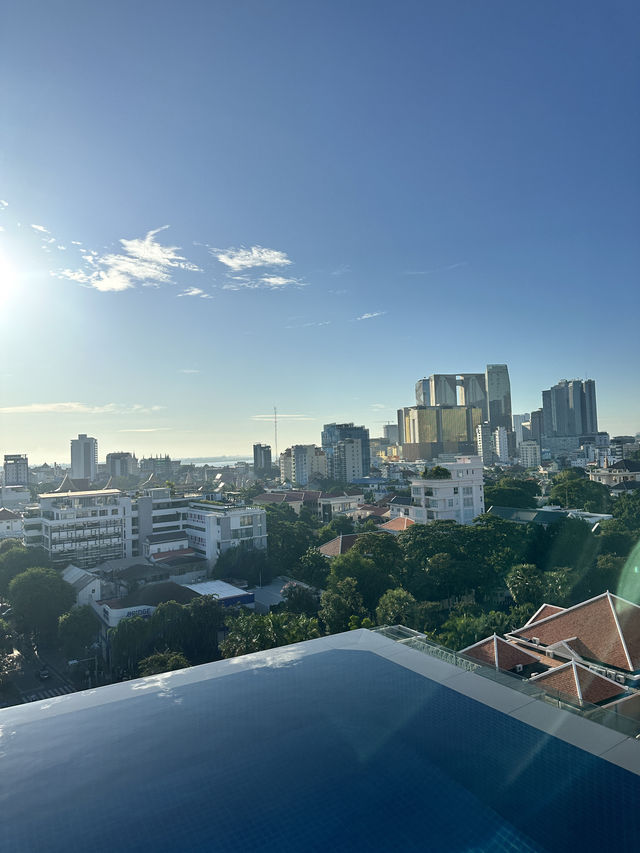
(262, 460)
(16, 469)
(84, 458)
(340, 458)
(569, 409)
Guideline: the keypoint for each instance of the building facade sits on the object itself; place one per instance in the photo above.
(530, 454)
(83, 528)
(262, 461)
(121, 464)
(84, 458)
(332, 435)
(459, 498)
(16, 469)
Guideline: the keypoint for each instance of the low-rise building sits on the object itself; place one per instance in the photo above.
(459, 497)
(10, 524)
(83, 528)
(625, 470)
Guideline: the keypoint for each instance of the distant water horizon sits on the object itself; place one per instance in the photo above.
(215, 460)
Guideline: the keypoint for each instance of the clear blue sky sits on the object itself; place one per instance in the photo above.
(357, 194)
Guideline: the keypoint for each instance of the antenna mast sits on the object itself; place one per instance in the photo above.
(275, 429)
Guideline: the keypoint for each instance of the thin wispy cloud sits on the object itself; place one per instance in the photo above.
(3, 203)
(281, 417)
(40, 228)
(437, 269)
(256, 256)
(148, 429)
(188, 370)
(371, 315)
(378, 406)
(196, 291)
(74, 408)
(341, 269)
(143, 261)
(76, 243)
(308, 325)
(265, 282)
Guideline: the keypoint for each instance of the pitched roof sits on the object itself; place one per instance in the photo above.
(399, 523)
(626, 465)
(340, 545)
(67, 485)
(580, 683)
(499, 653)
(605, 628)
(8, 515)
(543, 611)
(169, 536)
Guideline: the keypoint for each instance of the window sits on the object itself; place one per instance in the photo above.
(467, 501)
(450, 502)
(455, 490)
(467, 490)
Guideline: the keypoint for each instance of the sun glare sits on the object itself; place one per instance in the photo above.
(8, 278)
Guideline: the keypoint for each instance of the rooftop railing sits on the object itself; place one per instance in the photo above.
(603, 715)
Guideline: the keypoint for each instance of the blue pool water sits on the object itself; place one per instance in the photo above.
(335, 751)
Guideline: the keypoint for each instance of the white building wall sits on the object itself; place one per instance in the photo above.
(460, 498)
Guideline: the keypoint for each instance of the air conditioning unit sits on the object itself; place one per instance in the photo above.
(519, 667)
(611, 673)
(536, 640)
(620, 678)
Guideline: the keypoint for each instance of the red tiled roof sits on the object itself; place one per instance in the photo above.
(499, 653)
(581, 683)
(604, 629)
(543, 611)
(399, 523)
(340, 545)
(8, 515)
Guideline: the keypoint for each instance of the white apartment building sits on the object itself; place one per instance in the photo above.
(459, 498)
(84, 458)
(83, 528)
(10, 524)
(530, 454)
(301, 462)
(16, 469)
(501, 444)
(212, 528)
(484, 443)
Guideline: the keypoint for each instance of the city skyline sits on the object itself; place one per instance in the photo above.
(265, 203)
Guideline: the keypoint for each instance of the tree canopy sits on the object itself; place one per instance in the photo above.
(39, 597)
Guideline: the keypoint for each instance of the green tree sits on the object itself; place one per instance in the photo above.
(300, 599)
(250, 564)
(254, 632)
(575, 492)
(397, 607)
(129, 643)
(372, 578)
(8, 660)
(339, 604)
(384, 550)
(526, 584)
(289, 538)
(17, 559)
(338, 526)
(312, 568)
(511, 495)
(162, 662)
(77, 630)
(436, 473)
(39, 597)
(8, 544)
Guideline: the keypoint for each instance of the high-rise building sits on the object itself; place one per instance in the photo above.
(390, 433)
(16, 469)
(498, 395)
(121, 464)
(427, 431)
(568, 411)
(84, 458)
(501, 444)
(332, 435)
(518, 421)
(262, 460)
(484, 443)
(530, 454)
